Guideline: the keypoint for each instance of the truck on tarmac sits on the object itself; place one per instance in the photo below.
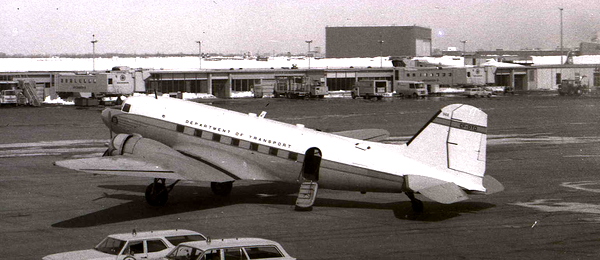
(299, 86)
(8, 97)
(370, 89)
(573, 87)
(410, 89)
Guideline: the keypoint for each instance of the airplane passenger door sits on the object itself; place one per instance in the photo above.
(312, 163)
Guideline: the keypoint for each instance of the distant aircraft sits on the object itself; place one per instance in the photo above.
(167, 138)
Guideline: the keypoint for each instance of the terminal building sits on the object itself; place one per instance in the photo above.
(376, 41)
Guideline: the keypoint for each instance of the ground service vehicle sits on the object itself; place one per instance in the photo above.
(298, 86)
(410, 89)
(477, 92)
(133, 246)
(231, 248)
(8, 97)
(370, 88)
(573, 87)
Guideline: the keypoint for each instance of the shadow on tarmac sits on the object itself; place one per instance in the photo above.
(193, 198)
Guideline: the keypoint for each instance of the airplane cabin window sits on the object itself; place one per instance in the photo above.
(126, 107)
(293, 156)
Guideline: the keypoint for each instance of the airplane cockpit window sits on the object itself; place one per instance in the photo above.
(126, 107)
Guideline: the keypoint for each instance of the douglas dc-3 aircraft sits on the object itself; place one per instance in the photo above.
(167, 138)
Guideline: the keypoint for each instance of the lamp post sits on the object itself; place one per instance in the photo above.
(200, 53)
(94, 41)
(380, 53)
(561, 35)
(308, 53)
(464, 42)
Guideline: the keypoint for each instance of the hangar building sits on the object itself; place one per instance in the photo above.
(375, 41)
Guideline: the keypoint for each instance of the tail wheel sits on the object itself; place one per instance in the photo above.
(221, 188)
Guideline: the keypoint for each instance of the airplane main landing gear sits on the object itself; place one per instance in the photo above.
(221, 188)
(157, 193)
(416, 204)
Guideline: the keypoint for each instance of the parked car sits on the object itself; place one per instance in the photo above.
(230, 248)
(133, 246)
(477, 92)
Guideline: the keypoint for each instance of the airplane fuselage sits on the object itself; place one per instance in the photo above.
(277, 149)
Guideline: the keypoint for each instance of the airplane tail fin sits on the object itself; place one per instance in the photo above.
(455, 138)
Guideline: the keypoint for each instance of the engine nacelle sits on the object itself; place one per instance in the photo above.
(122, 143)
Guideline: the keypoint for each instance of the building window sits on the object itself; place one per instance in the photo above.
(558, 78)
(198, 133)
(468, 74)
(216, 138)
(254, 146)
(180, 128)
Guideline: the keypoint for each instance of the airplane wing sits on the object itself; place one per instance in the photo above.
(182, 162)
(120, 165)
(374, 135)
(436, 190)
(228, 162)
(151, 159)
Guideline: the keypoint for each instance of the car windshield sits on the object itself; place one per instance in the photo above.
(184, 253)
(110, 246)
(176, 240)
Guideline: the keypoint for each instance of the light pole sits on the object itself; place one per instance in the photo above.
(464, 42)
(94, 41)
(561, 35)
(308, 53)
(381, 53)
(200, 52)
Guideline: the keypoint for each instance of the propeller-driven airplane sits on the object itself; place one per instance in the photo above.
(172, 139)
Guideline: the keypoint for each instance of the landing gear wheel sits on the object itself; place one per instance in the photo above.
(157, 194)
(416, 204)
(221, 188)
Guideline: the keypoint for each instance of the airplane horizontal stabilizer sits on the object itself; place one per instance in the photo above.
(492, 185)
(373, 135)
(436, 190)
(122, 166)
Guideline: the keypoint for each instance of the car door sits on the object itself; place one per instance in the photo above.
(156, 249)
(134, 250)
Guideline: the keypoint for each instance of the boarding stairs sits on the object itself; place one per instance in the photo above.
(306, 195)
(30, 92)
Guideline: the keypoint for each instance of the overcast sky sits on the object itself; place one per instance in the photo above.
(235, 26)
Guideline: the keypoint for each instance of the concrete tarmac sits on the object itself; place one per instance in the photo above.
(545, 149)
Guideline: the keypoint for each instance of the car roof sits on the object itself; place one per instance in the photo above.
(154, 234)
(230, 242)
